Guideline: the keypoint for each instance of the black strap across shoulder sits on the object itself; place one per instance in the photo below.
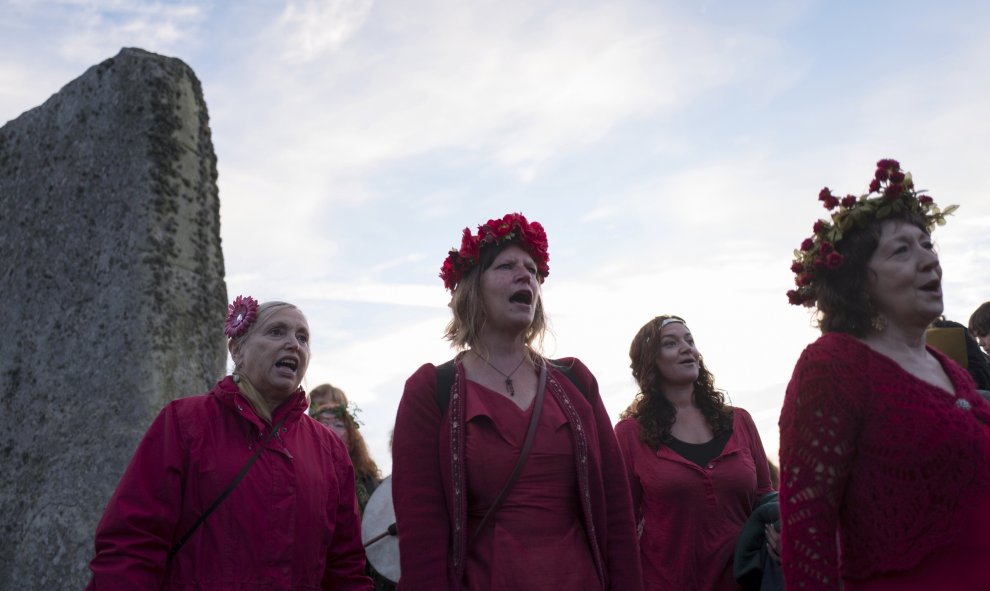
(445, 381)
(230, 488)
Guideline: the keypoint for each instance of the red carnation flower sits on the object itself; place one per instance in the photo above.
(849, 200)
(240, 315)
(825, 248)
(470, 247)
(796, 267)
(874, 186)
(819, 226)
(925, 200)
(804, 279)
(808, 244)
(897, 177)
(888, 164)
(448, 271)
(881, 174)
(512, 226)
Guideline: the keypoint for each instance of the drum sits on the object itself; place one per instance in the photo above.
(378, 533)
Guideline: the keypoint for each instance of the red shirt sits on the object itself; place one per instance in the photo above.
(895, 468)
(430, 484)
(692, 514)
(536, 540)
(291, 523)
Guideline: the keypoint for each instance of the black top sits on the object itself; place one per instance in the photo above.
(700, 453)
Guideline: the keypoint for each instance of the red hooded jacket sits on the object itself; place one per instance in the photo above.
(291, 522)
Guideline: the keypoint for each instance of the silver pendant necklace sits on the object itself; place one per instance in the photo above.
(507, 376)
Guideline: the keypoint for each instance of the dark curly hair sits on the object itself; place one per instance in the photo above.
(651, 409)
(842, 297)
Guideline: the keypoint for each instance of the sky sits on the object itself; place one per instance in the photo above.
(672, 150)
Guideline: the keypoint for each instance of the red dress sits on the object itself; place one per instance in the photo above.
(895, 468)
(536, 539)
(430, 488)
(692, 514)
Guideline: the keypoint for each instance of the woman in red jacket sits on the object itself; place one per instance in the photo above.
(884, 442)
(696, 466)
(566, 521)
(290, 522)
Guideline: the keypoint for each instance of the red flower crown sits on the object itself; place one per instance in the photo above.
(529, 235)
(895, 193)
(240, 315)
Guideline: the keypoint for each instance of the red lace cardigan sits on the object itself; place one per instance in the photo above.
(891, 463)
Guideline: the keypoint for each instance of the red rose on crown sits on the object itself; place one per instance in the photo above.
(895, 193)
(833, 260)
(827, 199)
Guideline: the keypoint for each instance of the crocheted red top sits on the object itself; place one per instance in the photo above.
(899, 468)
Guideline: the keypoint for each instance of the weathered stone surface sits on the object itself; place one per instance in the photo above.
(112, 279)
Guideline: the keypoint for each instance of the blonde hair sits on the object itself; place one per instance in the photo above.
(468, 308)
(248, 389)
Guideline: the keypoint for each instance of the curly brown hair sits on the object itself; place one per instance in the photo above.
(651, 409)
(843, 300)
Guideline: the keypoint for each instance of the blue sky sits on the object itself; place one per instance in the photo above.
(673, 151)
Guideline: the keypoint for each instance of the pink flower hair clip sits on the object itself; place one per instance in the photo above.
(240, 315)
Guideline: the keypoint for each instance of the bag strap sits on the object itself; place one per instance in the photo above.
(230, 488)
(523, 455)
(568, 372)
(445, 381)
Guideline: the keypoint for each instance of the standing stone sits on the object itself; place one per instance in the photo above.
(113, 297)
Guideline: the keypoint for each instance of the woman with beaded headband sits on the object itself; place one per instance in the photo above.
(884, 442)
(696, 466)
(461, 430)
(236, 488)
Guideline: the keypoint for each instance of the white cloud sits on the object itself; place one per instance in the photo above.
(675, 150)
(314, 28)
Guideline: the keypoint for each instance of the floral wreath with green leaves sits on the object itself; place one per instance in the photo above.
(891, 192)
(340, 411)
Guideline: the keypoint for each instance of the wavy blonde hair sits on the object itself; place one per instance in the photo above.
(468, 307)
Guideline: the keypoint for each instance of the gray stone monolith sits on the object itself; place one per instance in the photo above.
(112, 280)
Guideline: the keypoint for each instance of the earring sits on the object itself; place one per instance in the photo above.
(878, 323)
